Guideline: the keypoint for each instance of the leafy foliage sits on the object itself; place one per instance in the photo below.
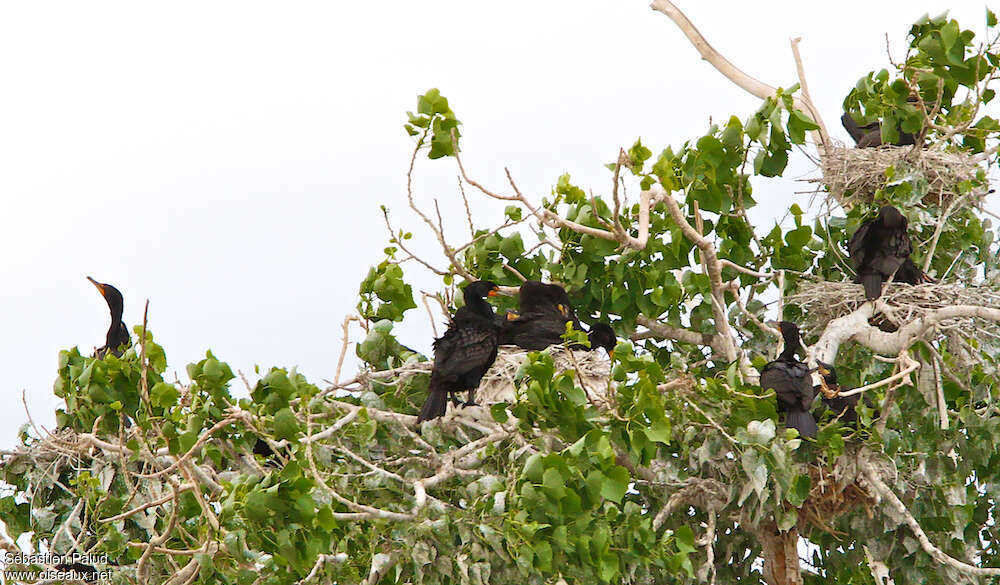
(678, 476)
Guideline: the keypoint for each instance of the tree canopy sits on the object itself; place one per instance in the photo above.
(680, 470)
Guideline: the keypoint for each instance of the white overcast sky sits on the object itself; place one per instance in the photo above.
(226, 160)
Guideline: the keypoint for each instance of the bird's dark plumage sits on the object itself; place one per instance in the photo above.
(910, 273)
(878, 249)
(870, 135)
(465, 352)
(602, 335)
(843, 407)
(543, 311)
(117, 338)
(790, 380)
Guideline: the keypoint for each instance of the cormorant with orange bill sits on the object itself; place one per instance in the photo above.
(790, 380)
(543, 311)
(117, 338)
(465, 352)
(878, 249)
(843, 407)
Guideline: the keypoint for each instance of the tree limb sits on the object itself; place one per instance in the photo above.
(886, 494)
(751, 84)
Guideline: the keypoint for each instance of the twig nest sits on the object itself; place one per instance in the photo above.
(853, 175)
(593, 370)
(837, 490)
(821, 302)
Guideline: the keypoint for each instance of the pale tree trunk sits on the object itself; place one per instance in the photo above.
(781, 556)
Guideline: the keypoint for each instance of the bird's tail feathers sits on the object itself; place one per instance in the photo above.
(436, 405)
(802, 422)
(872, 281)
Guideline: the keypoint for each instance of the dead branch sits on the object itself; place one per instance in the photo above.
(751, 84)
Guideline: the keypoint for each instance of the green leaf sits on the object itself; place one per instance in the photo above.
(285, 425)
(615, 484)
(163, 395)
(499, 412)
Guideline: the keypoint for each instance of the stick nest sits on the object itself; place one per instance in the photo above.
(853, 175)
(821, 302)
(593, 370)
(837, 490)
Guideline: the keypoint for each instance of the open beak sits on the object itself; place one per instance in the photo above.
(562, 309)
(493, 292)
(512, 316)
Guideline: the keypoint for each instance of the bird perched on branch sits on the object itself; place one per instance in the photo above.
(843, 407)
(790, 380)
(465, 352)
(543, 311)
(878, 249)
(117, 338)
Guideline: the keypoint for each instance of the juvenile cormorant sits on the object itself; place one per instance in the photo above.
(878, 249)
(465, 352)
(842, 407)
(790, 380)
(543, 311)
(870, 135)
(117, 338)
(910, 273)
(602, 335)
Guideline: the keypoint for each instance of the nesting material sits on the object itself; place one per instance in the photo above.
(593, 371)
(821, 302)
(853, 175)
(837, 490)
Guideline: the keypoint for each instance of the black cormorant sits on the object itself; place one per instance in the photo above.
(790, 380)
(543, 311)
(465, 352)
(870, 135)
(842, 407)
(602, 335)
(878, 249)
(117, 338)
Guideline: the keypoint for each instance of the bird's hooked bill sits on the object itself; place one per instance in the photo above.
(99, 285)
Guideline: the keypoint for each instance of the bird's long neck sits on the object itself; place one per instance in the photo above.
(479, 306)
(791, 346)
(117, 310)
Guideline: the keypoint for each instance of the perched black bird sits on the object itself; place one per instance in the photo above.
(543, 311)
(842, 407)
(465, 352)
(540, 321)
(870, 135)
(878, 249)
(118, 338)
(790, 380)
